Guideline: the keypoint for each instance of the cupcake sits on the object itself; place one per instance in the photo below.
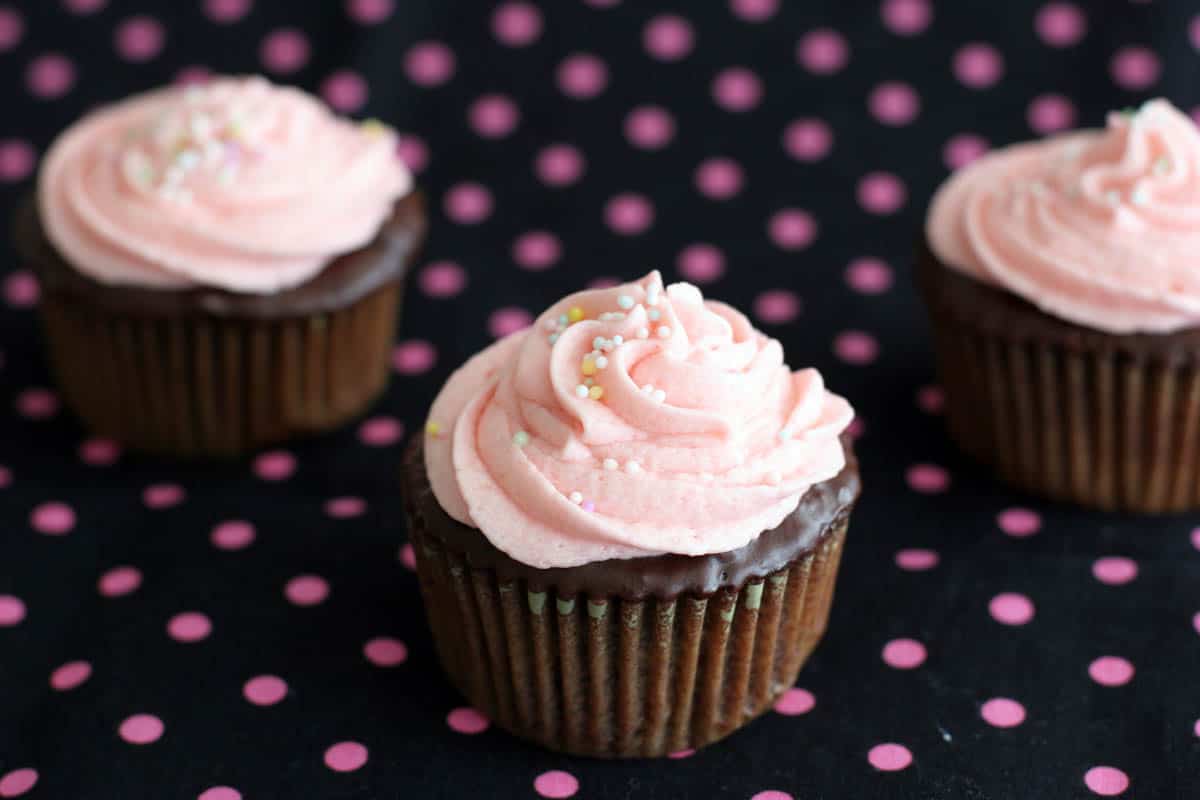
(1062, 284)
(628, 520)
(221, 266)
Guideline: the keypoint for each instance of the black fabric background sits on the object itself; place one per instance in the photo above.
(215, 737)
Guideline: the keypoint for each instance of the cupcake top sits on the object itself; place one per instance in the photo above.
(1099, 227)
(632, 421)
(237, 185)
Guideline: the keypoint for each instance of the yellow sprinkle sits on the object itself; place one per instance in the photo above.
(574, 313)
(433, 428)
(589, 366)
(373, 127)
(596, 392)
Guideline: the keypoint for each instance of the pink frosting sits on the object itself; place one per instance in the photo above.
(701, 438)
(1100, 228)
(238, 185)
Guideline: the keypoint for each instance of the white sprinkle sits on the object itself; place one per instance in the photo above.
(625, 301)
(601, 362)
(658, 395)
(581, 391)
(1140, 196)
(633, 467)
(706, 476)
(785, 434)
(576, 497)
(664, 331)
(647, 388)
(642, 333)
(553, 338)
(654, 313)
(617, 316)
(652, 296)
(188, 159)
(520, 438)
(1113, 197)
(563, 320)
(598, 342)
(610, 463)
(618, 340)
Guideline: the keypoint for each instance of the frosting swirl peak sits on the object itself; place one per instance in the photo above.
(632, 421)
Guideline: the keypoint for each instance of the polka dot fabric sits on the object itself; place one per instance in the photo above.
(254, 630)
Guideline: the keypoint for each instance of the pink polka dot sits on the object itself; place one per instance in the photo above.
(931, 399)
(70, 675)
(5, 476)
(346, 507)
(649, 127)
(345, 90)
(559, 165)
(701, 263)
(384, 651)
(978, 66)
(668, 37)
(857, 428)
(1194, 31)
(962, 149)
(1111, 671)
(18, 782)
(777, 306)
(53, 518)
(894, 103)
(265, 690)
(369, 12)
(1196, 621)
(889, 757)
(12, 610)
(12, 28)
(408, 557)
(1011, 608)
(737, 89)
(306, 590)
(494, 116)
(275, 465)
(556, 784)
(792, 229)
(467, 720)
(582, 76)
(869, 275)
(629, 214)
(140, 39)
(602, 3)
(687, 752)
(220, 793)
(234, 534)
(141, 729)
(1196, 728)
(1106, 781)
(1060, 24)
(226, 11)
(442, 279)
(719, 178)
(429, 64)
(772, 794)
(1135, 68)
(188, 627)
(195, 75)
(413, 151)
(468, 203)
(536, 250)
(856, 347)
(1019, 522)
(504, 321)
(1001, 712)
(1114, 570)
(904, 653)
(1195, 536)
(21, 289)
(119, 581)
(381, 431)
(517, 24)
(99, 452)
(927, 478)
(917, 559)
(346, 756)
(163, 495)
(17, 159)
(37, 404)
(808, 140)
(795, 702)
(907, 17)
(414, 357)
(822, 51)
(754, 10)
(284, 51)
(1049, 113)
(881, 193)
(84, 6)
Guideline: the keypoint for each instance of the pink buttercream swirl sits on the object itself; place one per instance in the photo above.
(1100, 228)
(237, 185)
(631, 421)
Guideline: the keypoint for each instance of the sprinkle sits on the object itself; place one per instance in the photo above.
(1113, 197)
(601, 362)
(647, 388)
(785, 434)
(187, 159)
(658, 395)
(706, 476)
(1140, 196)
(664, 331)
(574, 314)
(589, 365)
(618, 340)
(625, 302)
(633, 467)
(581, 391)
(654, 314)
(562, 320)
(596, 392)
(1162, 166)
(433, 428)
(598, 342)
(642, 333)
(373, 127)
(588, 382)
(520, 438)
(589, 506)
(610, 464)
(576, 497)
(652, 296)
(553, 338)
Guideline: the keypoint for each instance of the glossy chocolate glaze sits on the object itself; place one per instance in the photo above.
(1003, 314)
(342, 282)
(823, 507)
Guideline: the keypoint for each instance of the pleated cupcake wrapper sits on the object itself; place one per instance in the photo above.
(198, 385)
(612, 677)
(1094, 428)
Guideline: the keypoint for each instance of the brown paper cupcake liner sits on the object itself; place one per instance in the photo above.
(617, 677)
(198, 385)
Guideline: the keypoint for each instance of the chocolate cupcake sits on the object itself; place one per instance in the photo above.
(1061, 281)
(221, 265)
(628, 521)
